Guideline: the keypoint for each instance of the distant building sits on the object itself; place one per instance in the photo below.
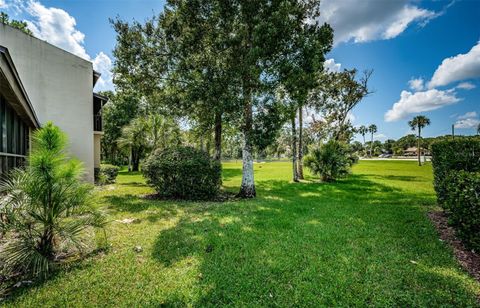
(412, 151)
(38, 83)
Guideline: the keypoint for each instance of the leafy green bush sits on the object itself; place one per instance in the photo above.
(330, 161)
(449, 155)
(183, 172)
(462, 202)
(45, 207)
(110, 172)
(106, 174)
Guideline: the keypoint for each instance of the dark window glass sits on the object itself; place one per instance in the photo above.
(14, 138)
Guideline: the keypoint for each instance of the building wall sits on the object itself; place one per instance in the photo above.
(59, 85)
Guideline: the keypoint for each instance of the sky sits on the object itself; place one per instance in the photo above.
(425, 55)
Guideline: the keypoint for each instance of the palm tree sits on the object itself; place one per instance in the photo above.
(418, 123)
(134, 138)
(363, 130)
(372, 129)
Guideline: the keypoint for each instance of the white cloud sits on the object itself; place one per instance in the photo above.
(457, 68)
(2, 4)
(468, 120)
(103, 64)
(467, 123)
(466, 86)
(471, 114)
(419, 102)
(57, 27)
(367, 20)
(416, 84)
(331, 66)
(379, 137)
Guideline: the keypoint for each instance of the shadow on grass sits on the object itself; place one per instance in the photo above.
(311, 243)
(229, 173)
(348, 243)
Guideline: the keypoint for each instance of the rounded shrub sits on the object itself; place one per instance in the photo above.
(183, 172)
(110, 172)
(330, 161)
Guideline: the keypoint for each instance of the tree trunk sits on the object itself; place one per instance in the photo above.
(247, 189)
(418, 147)
(300, 143)
(371, 147)
(135, 161)
(294, 149)
(130, 159)
(218, 137)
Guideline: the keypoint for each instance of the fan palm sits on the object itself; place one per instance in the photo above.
(417, 123)
(45, 206)
(363, 130)
(372, 129)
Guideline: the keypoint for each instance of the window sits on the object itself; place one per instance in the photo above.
(14, 138)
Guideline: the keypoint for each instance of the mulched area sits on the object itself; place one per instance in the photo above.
(469, 260)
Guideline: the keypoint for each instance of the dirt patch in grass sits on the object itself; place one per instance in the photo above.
(469, 260)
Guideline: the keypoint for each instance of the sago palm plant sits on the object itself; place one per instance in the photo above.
(45, 207)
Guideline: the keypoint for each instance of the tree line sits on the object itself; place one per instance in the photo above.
(224, 75)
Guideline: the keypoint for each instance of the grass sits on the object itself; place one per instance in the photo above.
(363, 241)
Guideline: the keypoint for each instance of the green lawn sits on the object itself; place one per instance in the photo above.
(365, 240)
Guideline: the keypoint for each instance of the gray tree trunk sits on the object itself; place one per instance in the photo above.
(294, 149)
(218, 137)
(418, 146)
(300, 143)
(247, 188)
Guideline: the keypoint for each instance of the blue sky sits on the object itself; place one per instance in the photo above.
(434, 44)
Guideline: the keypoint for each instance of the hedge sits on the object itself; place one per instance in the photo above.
(183, 173)
(106, 174)
(453, 155)
(463, 205)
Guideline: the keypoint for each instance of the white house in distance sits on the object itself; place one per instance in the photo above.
(38, 83)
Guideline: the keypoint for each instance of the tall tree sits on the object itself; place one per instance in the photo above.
(372, 129)
(300, 67)
(134, 140)
(418, 123)
(121, 109)
(478, 129)
(363, 130)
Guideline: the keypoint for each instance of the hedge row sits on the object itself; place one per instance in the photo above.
(453, 155)
(463, 206)
(456, 170)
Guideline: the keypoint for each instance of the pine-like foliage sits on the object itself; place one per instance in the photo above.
(45, 207)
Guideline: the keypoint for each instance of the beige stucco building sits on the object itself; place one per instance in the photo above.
(40, 82)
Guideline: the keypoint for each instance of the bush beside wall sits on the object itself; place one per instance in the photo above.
(183, 173)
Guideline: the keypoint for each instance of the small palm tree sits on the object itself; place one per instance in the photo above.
(417, 123)
(363, 130)
(45, 207)
(372, 129)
